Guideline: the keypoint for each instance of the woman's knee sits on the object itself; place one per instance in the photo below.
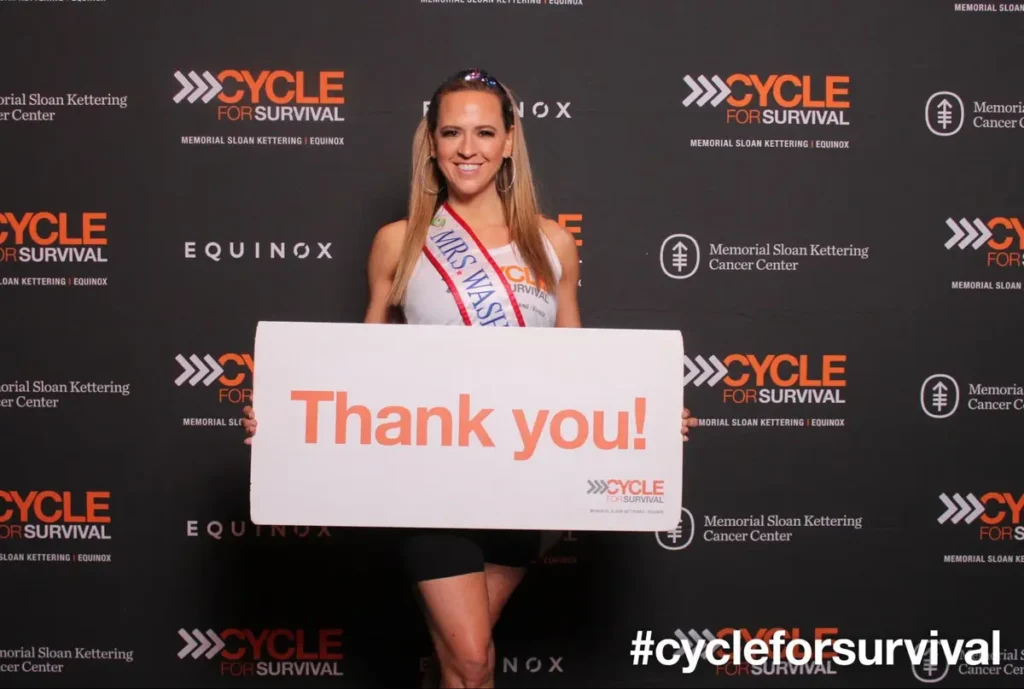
(472, 663)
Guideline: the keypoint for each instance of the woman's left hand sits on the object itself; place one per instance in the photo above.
(688, 421)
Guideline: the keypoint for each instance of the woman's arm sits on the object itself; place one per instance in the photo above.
(565, 246)
(381, 265)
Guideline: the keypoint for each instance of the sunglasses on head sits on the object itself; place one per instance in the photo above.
(481, 76)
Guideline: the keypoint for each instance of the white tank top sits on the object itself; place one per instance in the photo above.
(428, 300)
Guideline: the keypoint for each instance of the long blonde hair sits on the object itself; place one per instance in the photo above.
(428, 189)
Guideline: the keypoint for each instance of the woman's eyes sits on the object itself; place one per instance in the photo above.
(450, 132)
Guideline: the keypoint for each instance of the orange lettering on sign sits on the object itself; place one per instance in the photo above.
(45, 229)
(636, 487)
(779, 370)
(820, 637)
(1014, 231)
(766, 634)
(244, 360)
(569, 429)
(1012, 505)
(469, 425)
(788, 91)
(579, 424)
(520, 275)
(49, 506)
(225, 636)
(281, 87)
(282, 644)
(565, 218)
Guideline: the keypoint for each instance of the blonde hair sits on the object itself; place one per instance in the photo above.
(428, 190)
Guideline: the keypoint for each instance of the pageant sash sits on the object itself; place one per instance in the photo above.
(477, 284)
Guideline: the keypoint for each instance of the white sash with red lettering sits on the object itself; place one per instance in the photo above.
(477, 284)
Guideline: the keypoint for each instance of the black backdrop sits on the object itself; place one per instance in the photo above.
(890, 198)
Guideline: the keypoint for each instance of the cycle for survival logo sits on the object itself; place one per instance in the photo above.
(986, 525)
(269, 107)
(749, 104)
(266, 652)
(988, 246)
(54, 525)
(45, 248)
(220, 381)
(760, 384)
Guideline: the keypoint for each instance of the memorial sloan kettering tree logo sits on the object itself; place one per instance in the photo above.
(681, 536)
(762, 383)
(45, 248)
(947, 114)
(264, 652)
(752, 102)
(740, 529)
(290, 101)
(680, 257)
(1010, 664)
(944, 113)
(941, 396)
(993, 246)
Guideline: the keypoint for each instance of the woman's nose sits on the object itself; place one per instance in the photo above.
(467, 147)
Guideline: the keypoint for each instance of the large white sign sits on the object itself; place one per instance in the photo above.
(443, 426)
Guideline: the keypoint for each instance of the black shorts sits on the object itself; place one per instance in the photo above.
(435, 553)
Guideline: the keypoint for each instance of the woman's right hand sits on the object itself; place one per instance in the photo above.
(249, 423)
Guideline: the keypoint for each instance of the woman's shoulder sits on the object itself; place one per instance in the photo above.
(389, 238)
(561, 239)
(386, 248)
(392, 231)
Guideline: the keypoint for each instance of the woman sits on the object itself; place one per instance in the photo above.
(473, 219)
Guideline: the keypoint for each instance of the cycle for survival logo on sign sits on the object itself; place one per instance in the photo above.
(54, 248)
(54, 525)
(217, 385)
(985, 250)
(771, 111)
(264, 107)
(264, 652)
(771, 390)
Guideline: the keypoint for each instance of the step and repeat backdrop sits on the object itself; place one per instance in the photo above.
(826, 198)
